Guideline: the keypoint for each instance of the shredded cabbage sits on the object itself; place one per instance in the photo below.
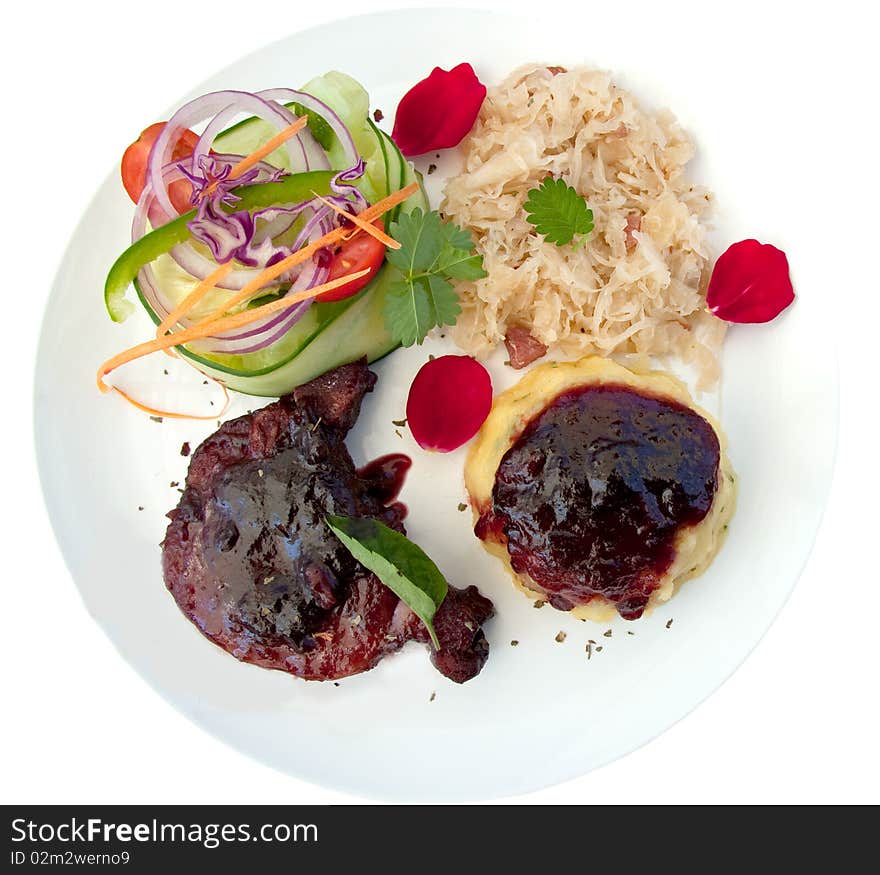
(639, 284)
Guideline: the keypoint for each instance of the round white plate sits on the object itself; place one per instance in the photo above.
(540, 712)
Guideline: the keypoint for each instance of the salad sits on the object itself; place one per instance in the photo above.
(278, 235)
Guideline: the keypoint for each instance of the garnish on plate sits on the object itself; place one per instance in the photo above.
(399, 563)
(439, 111)
(431, 253)
(449, 400)
(558, 212)
(750, 283)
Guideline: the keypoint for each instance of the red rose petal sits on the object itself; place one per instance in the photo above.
(438, 111)
(750, 283)
(449, 400)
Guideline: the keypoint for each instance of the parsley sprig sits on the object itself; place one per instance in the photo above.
(558, 212)
(432, 253)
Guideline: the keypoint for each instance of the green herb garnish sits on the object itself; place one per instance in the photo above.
(432, 253)
(399, 563)
(558, 212)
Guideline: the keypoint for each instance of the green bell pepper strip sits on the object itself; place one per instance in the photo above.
(291, 189)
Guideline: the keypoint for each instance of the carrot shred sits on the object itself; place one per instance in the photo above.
(193, 298)
(268, 147)
(368, 215)
(393, 199)
(368, 227)
(217, 326)
(217, 323)
(270, 273)
(171, 414)
(262, 151)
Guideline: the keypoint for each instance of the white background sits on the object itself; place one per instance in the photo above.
(797, 723)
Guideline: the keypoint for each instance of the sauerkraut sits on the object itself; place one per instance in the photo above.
(638, 284)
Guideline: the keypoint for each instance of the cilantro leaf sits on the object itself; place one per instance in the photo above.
(413, 308)
(420, 240)
(420, 296)
(407, 312)
(457, 257)
(443, 300)
(558, 212)
(455, 237)
(467, 267)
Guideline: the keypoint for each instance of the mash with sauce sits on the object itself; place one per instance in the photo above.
(601, 489)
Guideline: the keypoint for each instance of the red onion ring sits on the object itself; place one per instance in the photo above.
(308, 278)
(189, 259)
(310, 275)
(307, 101)
(309, 155)
(208, 106)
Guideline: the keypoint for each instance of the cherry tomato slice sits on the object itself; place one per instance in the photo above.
(362, 252)
(134, 165)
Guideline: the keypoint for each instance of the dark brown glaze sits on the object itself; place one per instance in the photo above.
(249, 559)
(387, 475)
(591, 496)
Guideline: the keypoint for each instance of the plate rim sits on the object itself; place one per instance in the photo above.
(40, 451)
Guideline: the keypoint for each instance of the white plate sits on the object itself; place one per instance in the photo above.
(540, 712)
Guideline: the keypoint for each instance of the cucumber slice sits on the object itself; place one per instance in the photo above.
(247, 136)
(401, 173)
(177, 285)
(393, 175)
(383, 151)
(402, 168)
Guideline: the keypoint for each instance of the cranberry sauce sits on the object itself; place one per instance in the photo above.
(386, 475)
(590, 497)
